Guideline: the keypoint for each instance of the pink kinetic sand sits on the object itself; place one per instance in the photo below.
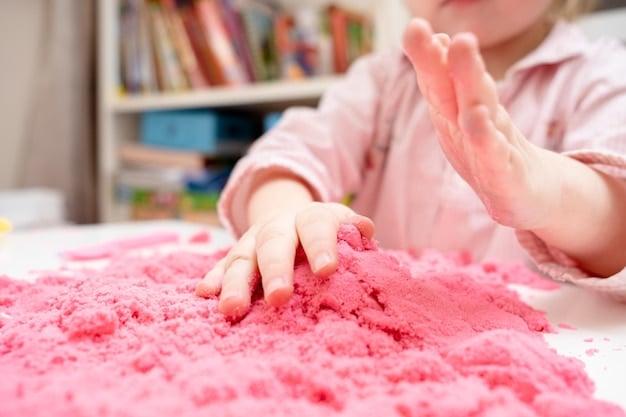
(119, 246)
(203, 236)
(384, 336)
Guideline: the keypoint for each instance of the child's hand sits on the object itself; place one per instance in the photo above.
(475, 132)
(269, 247)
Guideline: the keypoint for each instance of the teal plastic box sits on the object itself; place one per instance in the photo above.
(196, 130)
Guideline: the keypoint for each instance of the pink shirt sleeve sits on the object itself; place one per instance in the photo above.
(595, 134)
(325, 146)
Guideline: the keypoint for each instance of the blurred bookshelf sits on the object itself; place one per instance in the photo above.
(161, 176)
(185, 86)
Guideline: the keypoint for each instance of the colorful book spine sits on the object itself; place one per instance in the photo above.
(338, 27)
(351, 35)
(149, 81)
(258, 24)
(216, 37)
(171, 75)
(129, 46)
(182, 44)
(234, 26)
(204, 54)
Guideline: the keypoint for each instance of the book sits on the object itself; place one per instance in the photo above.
(338, 28)
(351, 36)
(234, 26)
(160, 157)
(139, 155)
(258, 25)
(129, 46)
(311, 41)
(165, 193)
(216, 36)
(148, 71)
(204, 54)
(147, 177)
(136, 63)
(182, 44)
(146, 204)
(290, 68)
(171, 76)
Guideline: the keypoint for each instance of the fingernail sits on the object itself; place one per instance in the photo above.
(321, 262)
(278, 291)
(232, 304)
(203, 289)
(276, 284)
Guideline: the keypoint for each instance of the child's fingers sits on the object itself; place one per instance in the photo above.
(472, 83)
(364, 224)
(236, 291)
(239, 269)
(317, 230)
(443, 39)
(428, 54)
(276, 250)
(492, 148)
(211, 284)
(451, 141)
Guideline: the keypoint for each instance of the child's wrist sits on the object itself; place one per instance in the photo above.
(551, 189)
(274, 193)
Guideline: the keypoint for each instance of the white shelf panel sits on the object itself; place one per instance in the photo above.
(252, 94)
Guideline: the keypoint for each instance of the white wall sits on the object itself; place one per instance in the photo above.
(391, 18)
(20, 30)
(605, 22)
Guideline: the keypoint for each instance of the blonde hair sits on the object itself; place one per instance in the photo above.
(570, 9)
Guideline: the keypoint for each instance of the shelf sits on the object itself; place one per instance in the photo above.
(254, 94)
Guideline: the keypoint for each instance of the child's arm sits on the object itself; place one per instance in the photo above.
(588, 221)
(566, 203)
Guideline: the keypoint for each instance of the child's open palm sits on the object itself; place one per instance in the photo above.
(474, 130)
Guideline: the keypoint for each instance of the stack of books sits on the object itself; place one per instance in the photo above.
(176, 45)
(182, 161)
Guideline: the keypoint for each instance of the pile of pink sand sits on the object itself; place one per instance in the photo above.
(384, 336)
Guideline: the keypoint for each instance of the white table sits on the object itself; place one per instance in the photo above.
(22, 254)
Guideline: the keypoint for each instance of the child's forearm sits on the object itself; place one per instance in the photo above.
(589, 218)
(276, 192)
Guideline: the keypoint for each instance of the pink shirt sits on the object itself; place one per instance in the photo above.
(371, 135)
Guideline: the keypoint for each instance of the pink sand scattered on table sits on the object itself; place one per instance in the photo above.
(203, 236)
(588, 339)
(119, 246)
(384, 336)
(566, 326)
(591, 352)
